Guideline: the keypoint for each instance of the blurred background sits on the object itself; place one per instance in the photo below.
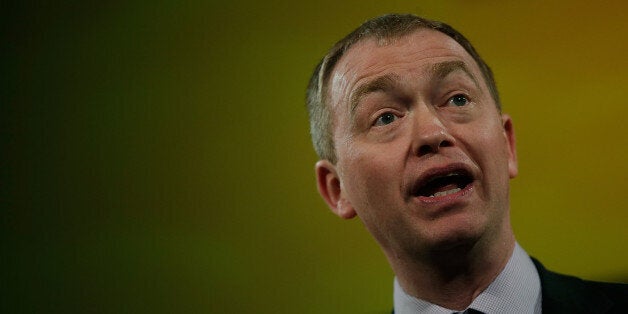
(156, 155)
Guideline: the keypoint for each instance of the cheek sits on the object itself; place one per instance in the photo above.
(488, 147)
(370, 174)
(495, 157)
(372, 180)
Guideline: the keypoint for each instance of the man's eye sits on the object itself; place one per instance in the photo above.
(458, 100)
(386, 118)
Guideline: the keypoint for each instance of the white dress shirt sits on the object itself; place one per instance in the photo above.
(517, 289)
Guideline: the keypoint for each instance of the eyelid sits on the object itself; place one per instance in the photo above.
(451, 95)
(380, 113)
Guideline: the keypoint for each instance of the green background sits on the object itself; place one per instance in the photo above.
(156, 156)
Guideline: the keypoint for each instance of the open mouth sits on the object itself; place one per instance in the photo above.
(443, 183)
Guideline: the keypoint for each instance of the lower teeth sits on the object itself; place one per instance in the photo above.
(443, 193)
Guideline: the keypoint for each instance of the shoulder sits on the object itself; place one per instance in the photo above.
(569, 294)
(615, 291)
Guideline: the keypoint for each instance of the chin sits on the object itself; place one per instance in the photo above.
(454, 234)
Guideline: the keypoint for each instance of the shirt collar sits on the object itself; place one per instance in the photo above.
(517, 289)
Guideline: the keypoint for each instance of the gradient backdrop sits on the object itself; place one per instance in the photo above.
(156, 156)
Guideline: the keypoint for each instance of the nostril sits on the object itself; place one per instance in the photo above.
(425, 149)
(445, 144)
(432, 149)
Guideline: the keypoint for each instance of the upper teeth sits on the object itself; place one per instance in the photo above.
(443, 193)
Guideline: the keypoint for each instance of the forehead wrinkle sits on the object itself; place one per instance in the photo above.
(381, 83)
(442, 69)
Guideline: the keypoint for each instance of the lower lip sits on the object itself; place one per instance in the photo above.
(447, 198)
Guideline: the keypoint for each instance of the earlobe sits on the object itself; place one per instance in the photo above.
(330, 188)
(509, 132)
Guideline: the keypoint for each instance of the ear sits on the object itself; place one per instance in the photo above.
(509, 132)
(330, 189)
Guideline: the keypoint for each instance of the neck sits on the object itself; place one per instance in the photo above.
(454, 277)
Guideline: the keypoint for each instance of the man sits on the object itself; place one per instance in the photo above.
(406, 119)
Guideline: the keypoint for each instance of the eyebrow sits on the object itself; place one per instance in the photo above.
(381, 83)
(386, 82)
(442, 69)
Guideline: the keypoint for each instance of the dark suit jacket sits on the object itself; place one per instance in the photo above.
(568, 294)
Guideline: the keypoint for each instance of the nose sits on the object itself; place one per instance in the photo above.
(431, 134)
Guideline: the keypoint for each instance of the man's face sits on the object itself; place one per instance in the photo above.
(424, 156)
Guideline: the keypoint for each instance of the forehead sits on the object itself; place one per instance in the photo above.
(407, 55)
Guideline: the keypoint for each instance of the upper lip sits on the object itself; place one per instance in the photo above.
(431, 174)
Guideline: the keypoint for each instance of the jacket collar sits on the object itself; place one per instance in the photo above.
(568, 294)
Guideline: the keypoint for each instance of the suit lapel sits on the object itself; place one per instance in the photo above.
(567, 294)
